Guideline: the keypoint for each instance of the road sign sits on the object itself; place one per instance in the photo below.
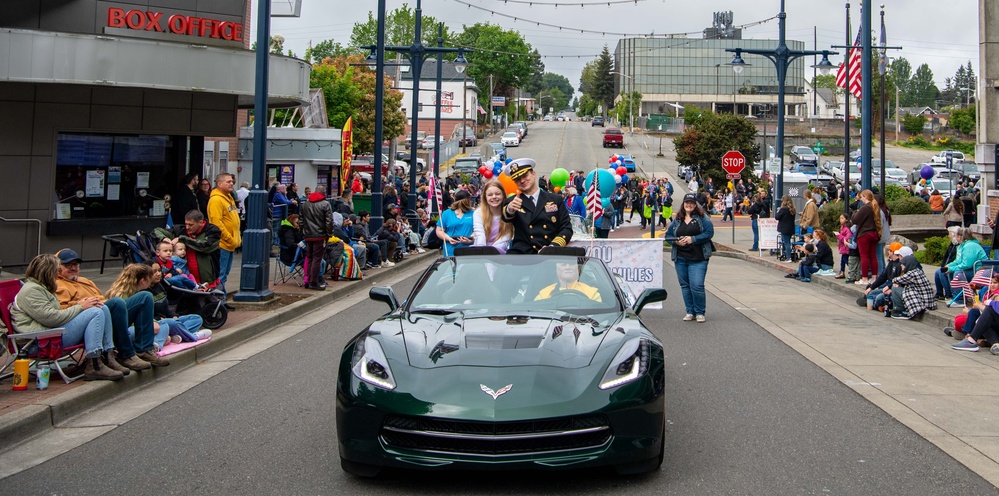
(733, 176)
(733, 161)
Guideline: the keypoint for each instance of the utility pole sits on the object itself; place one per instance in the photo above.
(492, 118)
(464, 112)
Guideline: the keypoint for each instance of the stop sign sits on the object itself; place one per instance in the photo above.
(733, 161)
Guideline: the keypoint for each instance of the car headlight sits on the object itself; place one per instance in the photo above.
(370, 365)
(630, 363)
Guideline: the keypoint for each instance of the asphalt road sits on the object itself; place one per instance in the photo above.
(746, 415)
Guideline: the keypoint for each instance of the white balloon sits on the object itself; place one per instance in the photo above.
(617, 179)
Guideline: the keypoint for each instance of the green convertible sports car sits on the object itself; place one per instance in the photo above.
(505, 362)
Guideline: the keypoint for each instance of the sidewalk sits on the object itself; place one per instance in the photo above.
(24, 414)
(906, 368)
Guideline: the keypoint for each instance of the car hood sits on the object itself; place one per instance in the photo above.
(501, 341)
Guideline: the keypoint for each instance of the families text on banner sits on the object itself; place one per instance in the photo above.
(638, 261)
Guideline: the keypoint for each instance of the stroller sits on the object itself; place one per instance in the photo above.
(209, 302)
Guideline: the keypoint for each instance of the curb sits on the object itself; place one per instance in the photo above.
(930, 317)
(33, 420)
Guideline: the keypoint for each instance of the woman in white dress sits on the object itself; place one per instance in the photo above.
(488, 226)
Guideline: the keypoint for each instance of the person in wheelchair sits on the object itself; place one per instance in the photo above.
(568, 281)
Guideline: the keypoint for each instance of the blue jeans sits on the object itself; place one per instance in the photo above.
(181, 282)
(138, 311)
(192, 323)
(756, 235)
(92, 327)
(806, 271)
(786, 239)
(619, 213)
(880, 254)
(942, 281)
(691, 278)
(225, 266)
(727, 214)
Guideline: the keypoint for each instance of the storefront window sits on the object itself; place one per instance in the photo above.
(105, 175)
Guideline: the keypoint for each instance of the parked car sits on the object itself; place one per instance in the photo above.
(969, 171)
(421, 165)
(522, 125)
(420, 136)
(829, 165)
(517, 129)
(897, 174)
(467, 165)
(452, 377)
(803, 154)
(613, 137)
(511, 138)
(941, 158)
(840, 175)
(430, 142)
(597, 121)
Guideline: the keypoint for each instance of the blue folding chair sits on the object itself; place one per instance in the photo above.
(294, 272)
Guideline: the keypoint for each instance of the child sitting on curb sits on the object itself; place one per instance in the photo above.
(807, 266)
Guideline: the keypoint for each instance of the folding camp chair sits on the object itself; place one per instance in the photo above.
(963, 294)
(294, 272)
(39, 345)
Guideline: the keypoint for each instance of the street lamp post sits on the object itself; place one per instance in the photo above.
(782, 57)
(631, 105)
(416, 53)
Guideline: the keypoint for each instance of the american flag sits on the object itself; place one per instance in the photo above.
(593, 202)
(434, 193)
(855, 70)
(983, 277)
(479, 108)
(960, 282)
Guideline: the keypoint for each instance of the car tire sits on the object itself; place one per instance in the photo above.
(362, 470)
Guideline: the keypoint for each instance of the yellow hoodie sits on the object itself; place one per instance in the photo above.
(223, 212)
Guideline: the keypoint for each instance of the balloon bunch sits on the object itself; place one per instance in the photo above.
(617, 168)
(558, 179)
(606, 183)
(501, 171)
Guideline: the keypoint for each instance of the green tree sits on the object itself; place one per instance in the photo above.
(629, 104)
(546, 101)
(349, 92)
(902, 72)
(326, 48)
(400, 30)
(602, 83)
(587, 106)
(922, 87)
(560, 100)
(704, 144)
(502, 54)
(827, 81)
(913, 124)
(963, 119)
(535, 83)
(692, 114)
(552, 80)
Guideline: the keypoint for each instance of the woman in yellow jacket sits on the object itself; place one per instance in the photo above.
(223, 213)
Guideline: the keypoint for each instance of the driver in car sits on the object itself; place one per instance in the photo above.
(568, 280)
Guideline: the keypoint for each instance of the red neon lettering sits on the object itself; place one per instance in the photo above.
(226, 31)
(205, 28)
(192, 23)
(154, 21)
(135, 19)
(116, 18)
(177, 24)
(238, 33)
(216, 28)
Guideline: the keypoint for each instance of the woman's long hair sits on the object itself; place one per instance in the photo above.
(788, 204)
(821, 235)
(44, 268)
(958, 205)
(682, 214)
(875, 208)
(505, 228)
(127, 283)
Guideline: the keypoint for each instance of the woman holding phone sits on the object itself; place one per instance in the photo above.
(456, 226)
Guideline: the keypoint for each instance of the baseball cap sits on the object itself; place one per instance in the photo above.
(904, 251)
(460, 195)
(894, 247)
(520, 167)
(66, 256)
(690, 197)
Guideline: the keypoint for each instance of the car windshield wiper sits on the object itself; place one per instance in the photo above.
(435, 311)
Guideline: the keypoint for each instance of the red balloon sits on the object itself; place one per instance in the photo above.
(482, 169)
(622, 171)
(611, 160)
(488, 173)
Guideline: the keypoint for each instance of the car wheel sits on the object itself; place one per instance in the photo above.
(360, 469)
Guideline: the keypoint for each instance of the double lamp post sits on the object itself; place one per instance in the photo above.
(782, 57)
(416, 53)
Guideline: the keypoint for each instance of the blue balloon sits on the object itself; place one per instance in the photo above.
(624, 178)
(607, 183)
(508, 160)
(497, 169)
(926, 172)
(605, 202)
(497, 164)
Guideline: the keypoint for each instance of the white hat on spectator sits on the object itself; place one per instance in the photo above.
(903, 251)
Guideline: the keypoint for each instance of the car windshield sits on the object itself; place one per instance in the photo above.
(971, 169)
(510, 134)
(501, 285)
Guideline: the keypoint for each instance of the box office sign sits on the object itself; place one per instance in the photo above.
(164, 25)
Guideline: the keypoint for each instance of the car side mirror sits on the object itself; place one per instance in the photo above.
(649, 295)
(386, 295)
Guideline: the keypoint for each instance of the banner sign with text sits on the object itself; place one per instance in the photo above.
(639, 262)
(347, 149)
(768, 234)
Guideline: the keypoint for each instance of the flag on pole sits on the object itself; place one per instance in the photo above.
(854, 61)
(479, 108)
(434, 193)
(983, 277)
(594, 206)
(883, 54)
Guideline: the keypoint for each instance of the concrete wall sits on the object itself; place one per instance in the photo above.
(36, 113)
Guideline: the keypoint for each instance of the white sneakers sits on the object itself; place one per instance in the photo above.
(388, 264)
(688, 317)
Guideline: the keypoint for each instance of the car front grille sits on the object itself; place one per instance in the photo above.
(495, 438)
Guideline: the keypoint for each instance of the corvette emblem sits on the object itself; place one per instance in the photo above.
(495, 394)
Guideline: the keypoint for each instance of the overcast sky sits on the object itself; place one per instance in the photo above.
(941, 34)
